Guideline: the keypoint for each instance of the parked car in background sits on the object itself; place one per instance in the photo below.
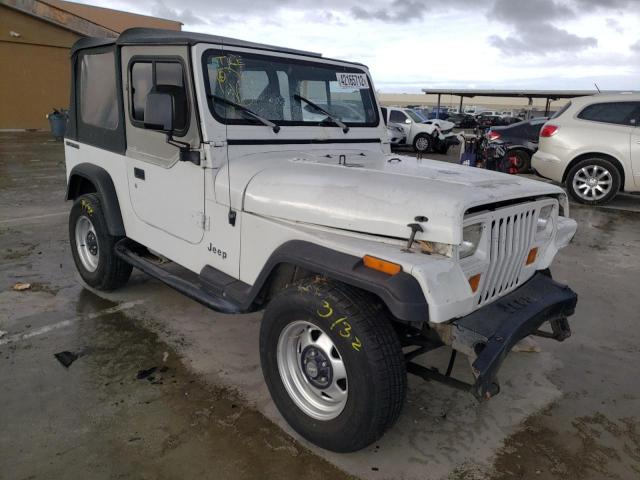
(434, 135)
(510, 120)
(487, 113)
(592, 145)
(486, 121)
(442, 113)
(521, 138)
(462, 120)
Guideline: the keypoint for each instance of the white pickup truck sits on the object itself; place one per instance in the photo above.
(253, 177)
(423, 135)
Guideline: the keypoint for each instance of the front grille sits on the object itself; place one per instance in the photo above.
(445, 132)
(511, 238)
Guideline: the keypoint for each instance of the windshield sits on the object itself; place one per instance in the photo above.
(272, 86)
(414, 116)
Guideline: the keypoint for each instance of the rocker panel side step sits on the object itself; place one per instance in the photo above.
(126, 250)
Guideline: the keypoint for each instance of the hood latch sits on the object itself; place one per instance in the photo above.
(415, 228)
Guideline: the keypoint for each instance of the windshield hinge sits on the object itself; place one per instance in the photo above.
(202, 220)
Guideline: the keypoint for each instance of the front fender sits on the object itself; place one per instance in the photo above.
(401, 293)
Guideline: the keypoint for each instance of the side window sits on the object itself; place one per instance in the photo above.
(141, 83)
(147, 75)
(620, 113)
(384, 114)
(397, 117)
(98, 100)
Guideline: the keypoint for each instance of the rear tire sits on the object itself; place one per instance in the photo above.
(92, 245)
(593, 181)
(333, 364)
(523, 163)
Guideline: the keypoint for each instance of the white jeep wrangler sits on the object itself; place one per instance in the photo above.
(264, 175)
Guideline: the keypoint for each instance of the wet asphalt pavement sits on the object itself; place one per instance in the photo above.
(569, 412)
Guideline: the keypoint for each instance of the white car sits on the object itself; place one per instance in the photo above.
(194, 159)
(423, 136)
(592, 145)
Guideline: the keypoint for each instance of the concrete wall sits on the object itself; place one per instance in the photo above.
(35, 70)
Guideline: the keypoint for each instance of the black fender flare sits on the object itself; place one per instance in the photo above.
(103, 184)
(401, 293)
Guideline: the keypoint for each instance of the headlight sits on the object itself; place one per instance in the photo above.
(545, 221)
(471, 235)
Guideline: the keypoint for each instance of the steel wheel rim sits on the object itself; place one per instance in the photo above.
(422, 144)
(592, 182)
(295, 344)
(87, 244)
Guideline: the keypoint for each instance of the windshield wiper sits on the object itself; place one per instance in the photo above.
(248, 111)
(336, 120)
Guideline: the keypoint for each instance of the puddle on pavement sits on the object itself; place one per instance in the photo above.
(168, 424)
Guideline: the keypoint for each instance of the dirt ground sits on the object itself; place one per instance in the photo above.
(200, 408)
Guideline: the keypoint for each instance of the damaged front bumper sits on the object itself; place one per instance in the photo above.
(488, 334)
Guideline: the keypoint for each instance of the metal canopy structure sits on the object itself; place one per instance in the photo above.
(549, 95)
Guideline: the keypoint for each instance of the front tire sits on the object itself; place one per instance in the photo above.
(593, 181)
(333, 364)
(92, 246)
(423, 143)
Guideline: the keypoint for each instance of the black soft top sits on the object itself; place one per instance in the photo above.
(156, 36)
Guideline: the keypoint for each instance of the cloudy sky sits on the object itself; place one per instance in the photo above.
(413, 44)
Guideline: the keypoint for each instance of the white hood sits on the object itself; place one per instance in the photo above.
(380, 197)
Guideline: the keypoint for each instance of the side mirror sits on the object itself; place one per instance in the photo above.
(166, 109)
(407, 121)
(159, 111)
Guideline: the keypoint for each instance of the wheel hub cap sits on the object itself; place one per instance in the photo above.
(316, 367)
(87, 243)
(92, 243)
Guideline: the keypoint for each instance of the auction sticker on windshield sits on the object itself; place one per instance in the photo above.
(352, 80)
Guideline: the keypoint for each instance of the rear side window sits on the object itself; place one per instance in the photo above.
(98, 100)
(147, 75)
(620, 113)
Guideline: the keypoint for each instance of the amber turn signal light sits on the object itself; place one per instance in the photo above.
(474, 282)
(533, 253)
(383, 266)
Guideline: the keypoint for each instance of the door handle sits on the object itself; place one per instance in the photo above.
(138, 173)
